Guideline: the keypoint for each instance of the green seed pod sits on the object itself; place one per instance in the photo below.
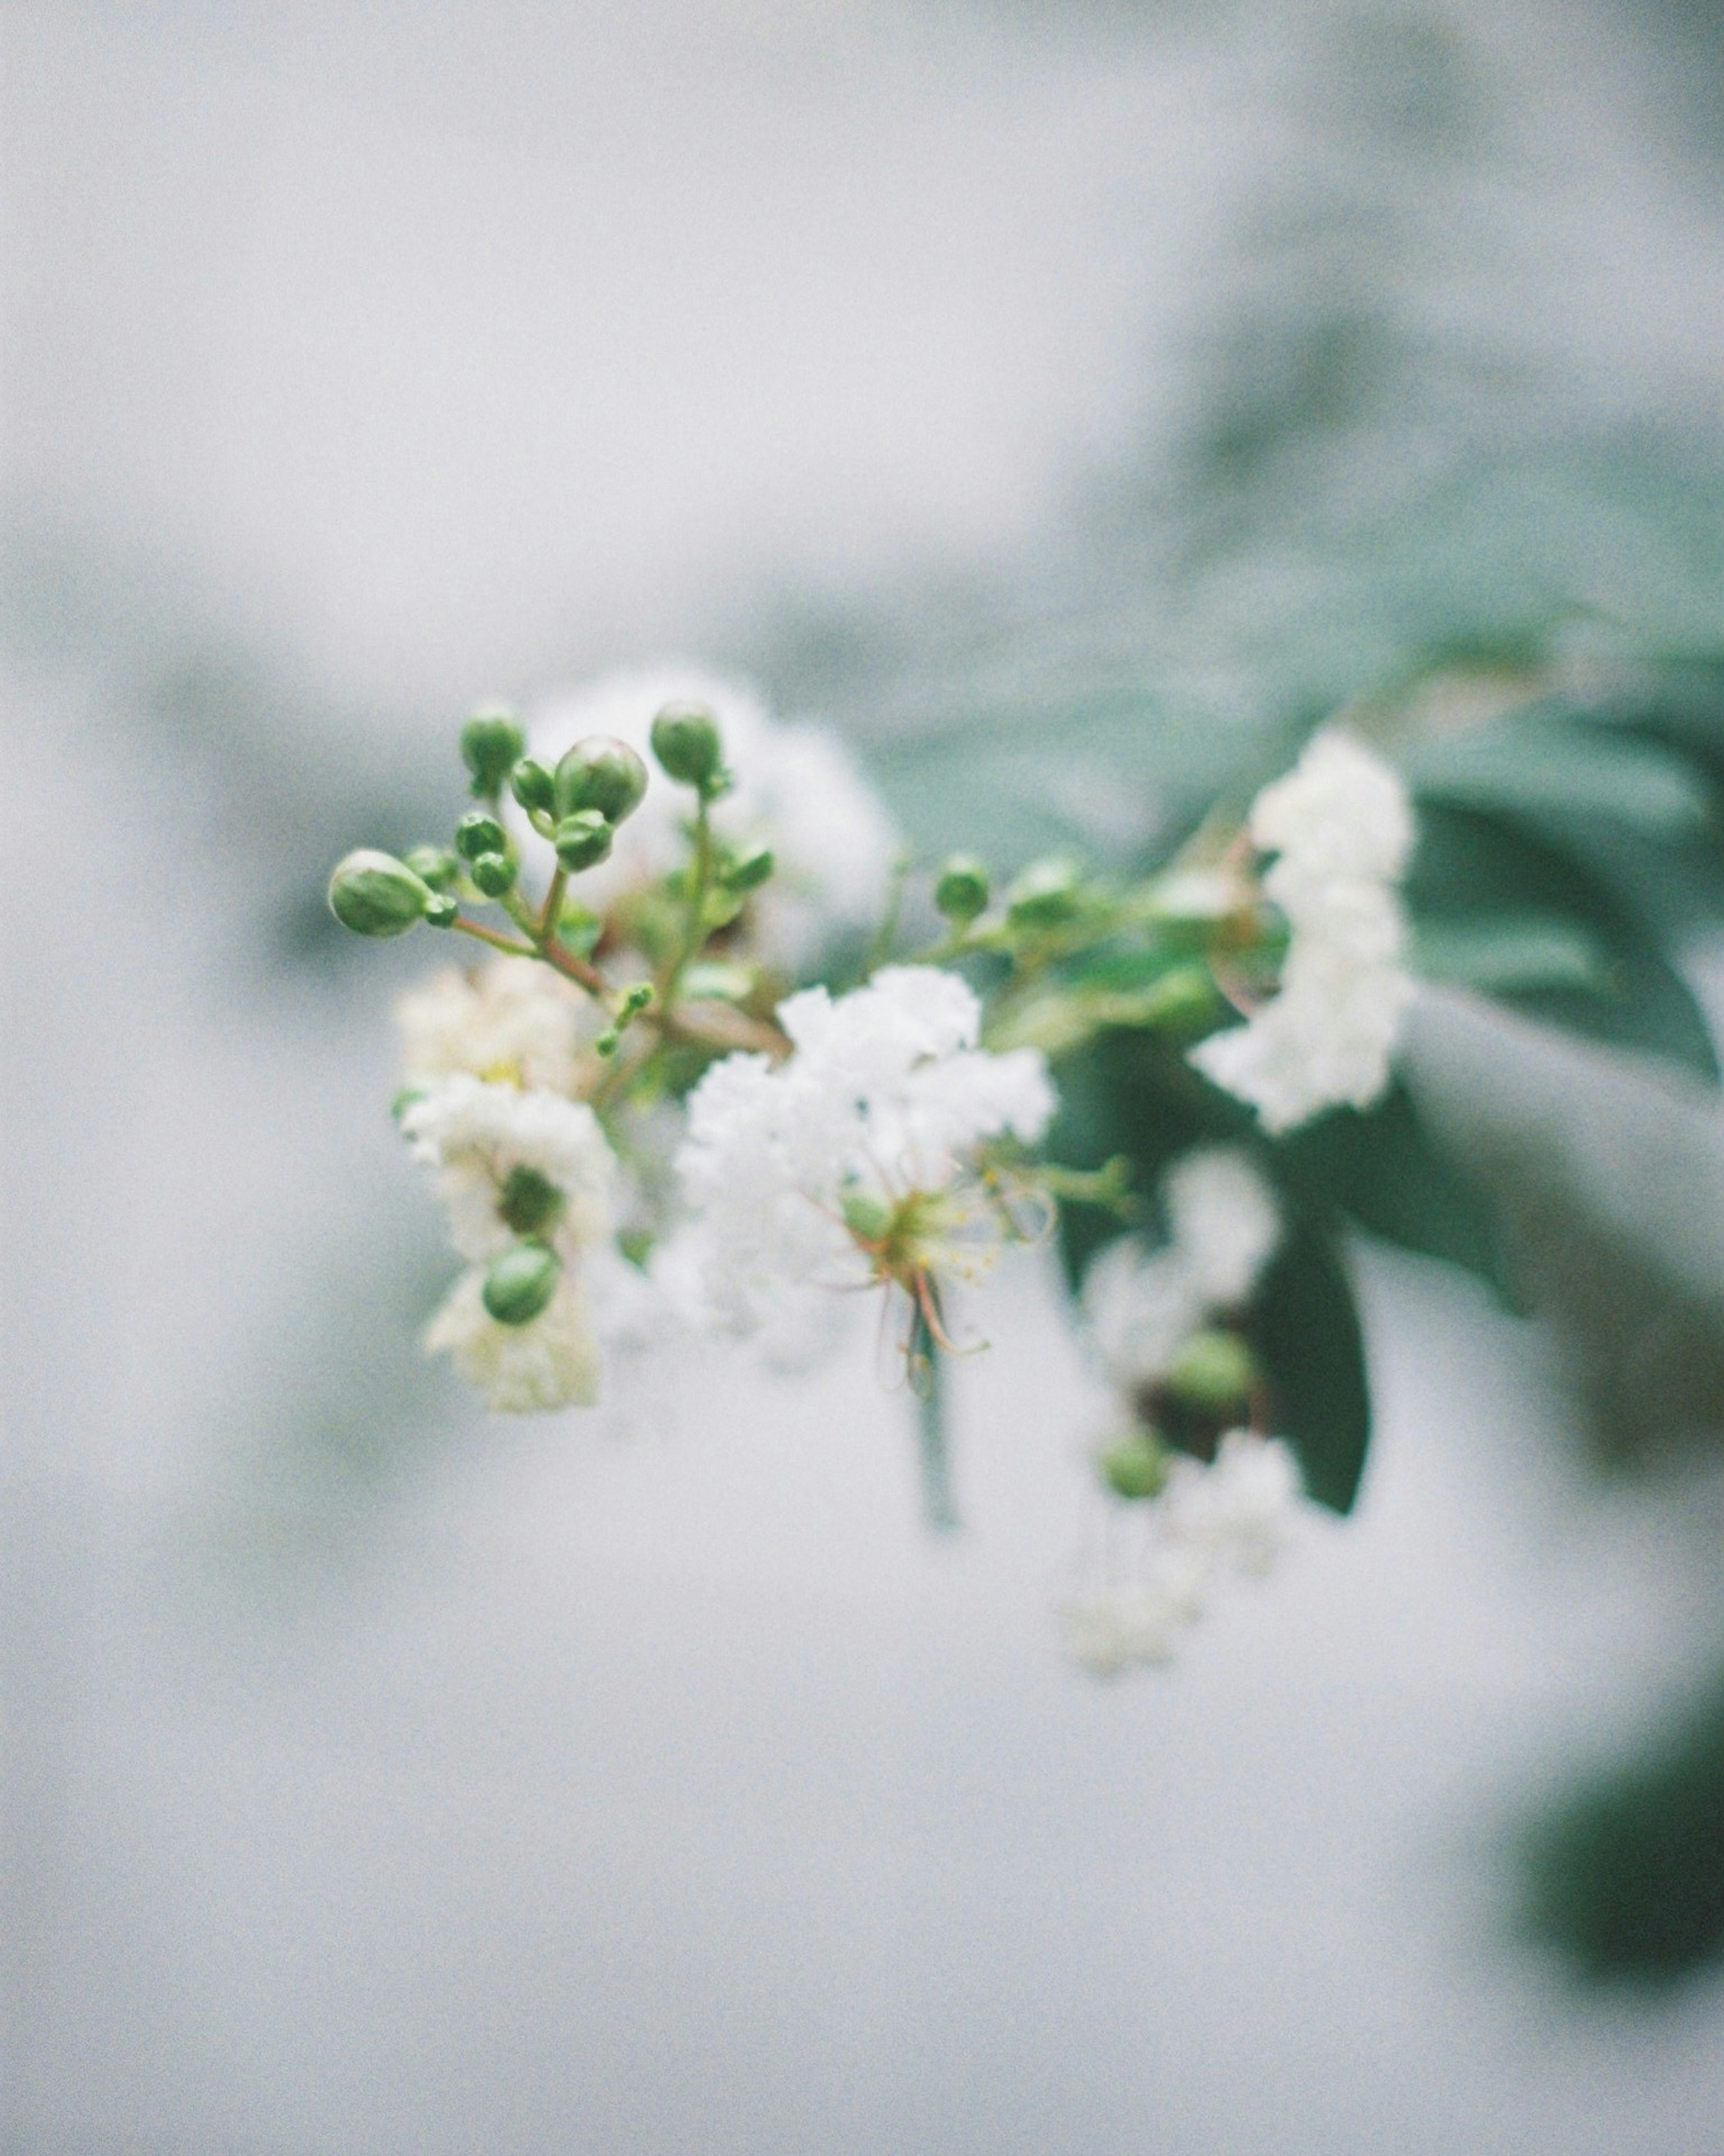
(478, 834)
(962, 892)
(582, 841)
(749, 870)
(435, 865)
(601, 774)
(530, 1202)
(1214, 1372)
(375, 895)
(494, 873)
(688, 745)
(490, 741)
(532, 785)
(867, 1215)
(1136, 1468)
(441, 910)
(1045, 896)
(520, 1283)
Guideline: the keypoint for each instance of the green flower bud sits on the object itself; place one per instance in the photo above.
(1136, 1468)
(435, 865)
(582, 841)
(749, 870)
(532, 785)
(494, 873)
(961, 891)
(478, 834)
(688, 745)
(602, 774)
(867, 1215)
(375, 895)
(520, 1283)
(490, 741)
(1045, 896)
(442, 911)
(1214, 1372)
(530, 1202)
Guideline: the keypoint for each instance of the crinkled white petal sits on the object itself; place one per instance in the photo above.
(511, 1020)
(798, 790)
(1224, 1219)
(521, 1369)
(1341, 813)
(1141, 1305)
(474, 1132)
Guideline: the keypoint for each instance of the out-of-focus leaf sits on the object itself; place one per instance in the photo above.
(1472, 867)
(1382, 1167)
(1544, 762)
(1510, 954)
(1305, 1328)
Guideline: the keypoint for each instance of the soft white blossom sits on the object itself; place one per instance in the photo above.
(798, 790)
(1110, 1629)
(1241, 1508)
(1342, 828)
(493, 1148)
(510, 1020)
(855, 1159)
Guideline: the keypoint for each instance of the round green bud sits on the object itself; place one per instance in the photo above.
(582, 841)
(688, 745)
(494, 873)
(961, 891)
(435, 865)
(867, 1215)
(530, 1203)
(1045, 896)
(1136, 1468)
(375, 895)
(532, 785)
(601, 774)
(520, 1283)
(490, 741)
(749, 870)
(478, 834)
(1214, 1372)
(441, 910)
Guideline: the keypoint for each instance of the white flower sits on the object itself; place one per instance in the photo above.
(511, 1020)
(1241, 1509)
(1110, 1629)
(509, 1164)
(798, 790)
(855, 1160)
(1341, 826)
(1141, 1304)
(520, 1369)
(476, 1135)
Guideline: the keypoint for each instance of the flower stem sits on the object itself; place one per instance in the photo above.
(927, 1381)
(491, 936)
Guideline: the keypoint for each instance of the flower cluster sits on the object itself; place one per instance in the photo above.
(1209, 1489)
(1342, 831)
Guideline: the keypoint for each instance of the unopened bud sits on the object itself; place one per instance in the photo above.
(478, 834)
(532, 785)
(688, 745)
(520, 1283)
(530, 1203)
(582, 841)
(494, 873)
(375, 895)
(490, 741)
(442, 911)
(601, 774)
(1136, 1468)
(749, 870)
(1045, 896)
(435, 865)
(1214, 1372)
(961, 894)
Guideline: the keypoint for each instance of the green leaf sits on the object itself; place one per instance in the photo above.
(1305, 1328)
(1511, 954)
(1382, 1166)
(1473, 868)
(1549, 762)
